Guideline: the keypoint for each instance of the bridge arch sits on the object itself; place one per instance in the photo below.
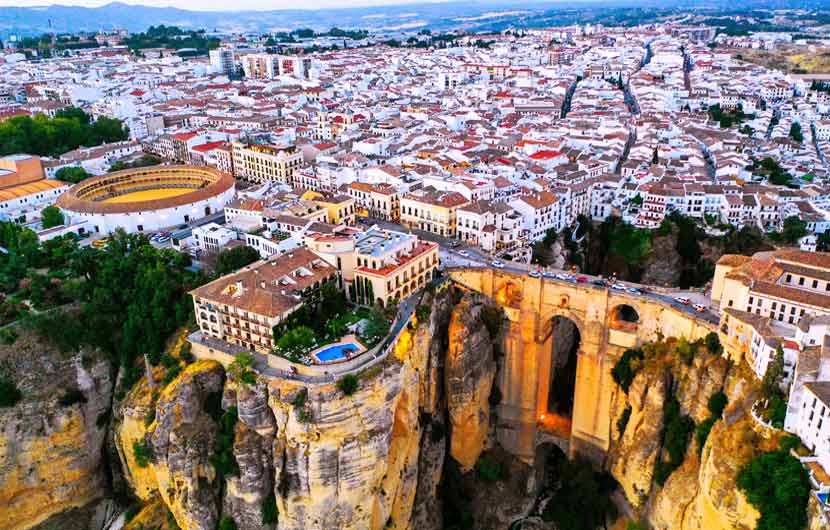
(557, 365)
(624, 317)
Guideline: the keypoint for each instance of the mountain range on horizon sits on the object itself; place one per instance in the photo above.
(469, 15)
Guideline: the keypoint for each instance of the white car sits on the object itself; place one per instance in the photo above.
(534, 274)
(619, 286)
(463, 253)
(497, 264)
(682, 300)
(699, 308)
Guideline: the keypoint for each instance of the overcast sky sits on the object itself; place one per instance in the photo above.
(214, 5)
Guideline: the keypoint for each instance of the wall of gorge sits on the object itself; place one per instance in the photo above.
(51, 446)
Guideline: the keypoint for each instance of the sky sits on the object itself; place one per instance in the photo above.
(214, 5)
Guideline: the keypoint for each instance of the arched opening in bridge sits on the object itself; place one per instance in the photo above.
(558, 402)
(625, 318)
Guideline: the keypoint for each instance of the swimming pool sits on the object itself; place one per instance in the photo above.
(338, 352)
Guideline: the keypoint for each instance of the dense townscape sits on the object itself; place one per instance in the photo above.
(314, 186)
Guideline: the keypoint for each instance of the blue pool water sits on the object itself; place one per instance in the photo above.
(335, 352)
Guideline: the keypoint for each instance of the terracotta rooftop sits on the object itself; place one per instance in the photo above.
(268, 288)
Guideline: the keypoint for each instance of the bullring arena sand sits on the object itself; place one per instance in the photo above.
(149, 195)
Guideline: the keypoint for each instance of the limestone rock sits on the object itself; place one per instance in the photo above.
(51, 454)
(182, 439)
(469, 374)
(638, 448)
(245, 493)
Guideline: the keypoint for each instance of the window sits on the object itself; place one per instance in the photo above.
(801, 281)
(789, 278)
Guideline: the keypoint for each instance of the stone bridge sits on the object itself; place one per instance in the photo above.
(606, 326)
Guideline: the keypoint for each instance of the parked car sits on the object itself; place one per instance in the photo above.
(582, 279)
(548, 274)
(497, 264)
(699, 308)
(534, 274)
(463, 253)
(634, 290)
(600, 283)
(619, 286)
(101, 243)
(682, 300)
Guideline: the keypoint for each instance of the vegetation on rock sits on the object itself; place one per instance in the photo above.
(142, 453)
(582, 497)
(626, 368)
(778, 486)
(348, 384)
(222, 459)
(674, 438)
(717, 403)
(10, 395)
(269, 509)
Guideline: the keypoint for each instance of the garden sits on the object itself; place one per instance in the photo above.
(324, 318)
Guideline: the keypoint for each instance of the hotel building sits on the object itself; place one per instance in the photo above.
(243, 307)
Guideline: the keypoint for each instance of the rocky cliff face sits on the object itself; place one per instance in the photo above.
(470, 370)
(330, 460)
(51, 441)
(178, 434)
(701, 494)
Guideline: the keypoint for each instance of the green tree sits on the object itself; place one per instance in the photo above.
(778, 486)
(9, 393)
(713, 344)
(582, 500)
(73, 174)
(771, 382)
(348, 384)
(795, 132)
(51, 216)
(269, 509)
(227, 523)
(794, 229)
(233, 259)
(297, 341)
(377, 326)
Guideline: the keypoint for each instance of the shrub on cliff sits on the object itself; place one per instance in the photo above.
(713, 344)
(582, 500)
(222, 459)
(269, 509)
(9, 394)
(227, 523)
(777, 485)
(142, 453)
(626, 368)
(492, 317)
(348, 384)
(71, 397)
(487, 470)
(677, 430)
(622, 422)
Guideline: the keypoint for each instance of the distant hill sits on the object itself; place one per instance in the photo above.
(60, 18)
(465, 14)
